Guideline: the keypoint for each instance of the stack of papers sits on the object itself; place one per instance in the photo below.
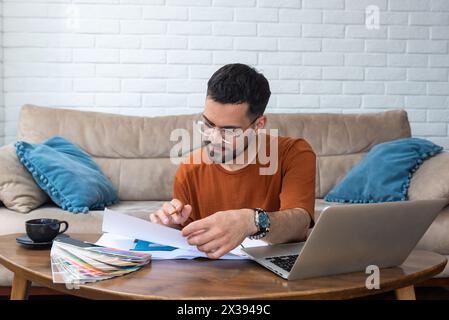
(125, 232)
(78, 262)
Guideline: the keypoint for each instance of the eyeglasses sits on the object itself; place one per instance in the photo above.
(227, 134)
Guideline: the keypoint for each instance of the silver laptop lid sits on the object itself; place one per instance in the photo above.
(351, 237)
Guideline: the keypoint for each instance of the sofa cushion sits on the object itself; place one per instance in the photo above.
(436, 237)
(67, 174)
(385, 173)
(18, 190)
(431, 180)
(12, 222)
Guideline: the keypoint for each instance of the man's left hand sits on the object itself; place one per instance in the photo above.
(220, 232)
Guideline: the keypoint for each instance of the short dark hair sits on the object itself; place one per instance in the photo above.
(239, 83)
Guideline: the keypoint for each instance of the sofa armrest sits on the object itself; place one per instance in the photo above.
(431, 180)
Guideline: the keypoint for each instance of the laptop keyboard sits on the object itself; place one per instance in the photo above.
(284, 262)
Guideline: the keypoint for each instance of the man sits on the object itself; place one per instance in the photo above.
(221, 200)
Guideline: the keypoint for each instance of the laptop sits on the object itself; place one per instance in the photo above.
(348, 238)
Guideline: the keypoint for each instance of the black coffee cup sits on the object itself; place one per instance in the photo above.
(44, 230)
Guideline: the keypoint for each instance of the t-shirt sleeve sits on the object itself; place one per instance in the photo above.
(298, 182)
(180, 190)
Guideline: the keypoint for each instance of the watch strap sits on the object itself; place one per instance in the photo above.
(262, 231)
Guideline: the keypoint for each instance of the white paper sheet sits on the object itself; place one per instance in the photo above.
(120, 231)
(131, 227)
(114, 241)
(119, 242)
(248, 243)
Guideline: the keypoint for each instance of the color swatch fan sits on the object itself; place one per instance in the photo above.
(78, 262)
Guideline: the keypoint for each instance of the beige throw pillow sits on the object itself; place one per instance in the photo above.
(431, 180)
(18, 190)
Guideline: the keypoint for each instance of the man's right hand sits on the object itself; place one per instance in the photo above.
(164, 215)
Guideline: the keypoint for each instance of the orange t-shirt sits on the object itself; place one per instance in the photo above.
(209, 188)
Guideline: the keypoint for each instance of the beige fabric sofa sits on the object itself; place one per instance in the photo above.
(134, 153)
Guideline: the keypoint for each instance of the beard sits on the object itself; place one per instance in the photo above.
(220, 153)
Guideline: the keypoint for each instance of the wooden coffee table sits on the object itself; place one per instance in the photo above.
(213, 279)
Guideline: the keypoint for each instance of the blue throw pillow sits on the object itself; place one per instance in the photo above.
(67, 174)
(384, 173)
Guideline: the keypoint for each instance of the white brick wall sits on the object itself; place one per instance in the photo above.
(154, 57)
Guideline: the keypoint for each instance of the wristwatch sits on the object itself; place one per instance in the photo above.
(262, 222)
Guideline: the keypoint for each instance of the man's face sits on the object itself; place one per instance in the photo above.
(230, 116)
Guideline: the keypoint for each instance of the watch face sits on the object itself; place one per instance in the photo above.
(264, 222)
